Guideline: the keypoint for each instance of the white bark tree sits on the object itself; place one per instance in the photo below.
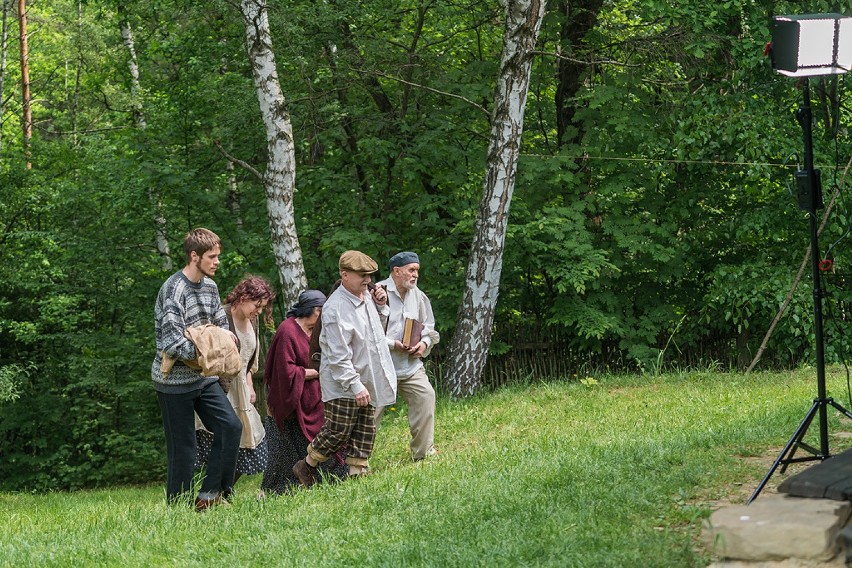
(74, 105)
(468, 352)
(26, 112)
(161, 240)
(132, 67)
(4, 39)
(233, 199)
(279, 179)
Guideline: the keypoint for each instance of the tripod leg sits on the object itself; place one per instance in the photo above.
(798, 441)
(791, 445)
(839, 408)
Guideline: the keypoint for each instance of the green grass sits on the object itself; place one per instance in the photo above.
(619, 473)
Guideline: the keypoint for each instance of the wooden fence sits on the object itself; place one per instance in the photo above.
(535, 354)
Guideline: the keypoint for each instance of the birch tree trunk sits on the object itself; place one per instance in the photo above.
(133, 68)
(233, 199)
(27, 115)
(74, 104)
(161, 240)
(279, 180)
(4, 42)
(468, 352)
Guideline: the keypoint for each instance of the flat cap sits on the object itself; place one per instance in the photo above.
(403, 258)
(357, 261)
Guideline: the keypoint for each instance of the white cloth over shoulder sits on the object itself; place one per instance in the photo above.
(416, 306)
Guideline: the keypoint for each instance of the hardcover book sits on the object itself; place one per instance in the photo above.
(411, 332)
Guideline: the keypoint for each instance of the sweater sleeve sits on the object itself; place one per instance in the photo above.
(221, 318)
(284, 374)
(172, 326)
(295, 371)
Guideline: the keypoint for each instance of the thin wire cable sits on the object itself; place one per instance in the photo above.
(835, 110)
(667, 161)
(839, 331)
(787, 179)
(839, 187)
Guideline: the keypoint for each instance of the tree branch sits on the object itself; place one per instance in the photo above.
(581, 62)
(425, 88)
(799, 274)
(239, 162)
(40, 128)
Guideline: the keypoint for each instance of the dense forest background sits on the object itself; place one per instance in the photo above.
(652, 223)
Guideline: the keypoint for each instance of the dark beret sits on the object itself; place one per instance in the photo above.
(403, 258)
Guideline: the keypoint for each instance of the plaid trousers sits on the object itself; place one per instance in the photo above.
(345, 422)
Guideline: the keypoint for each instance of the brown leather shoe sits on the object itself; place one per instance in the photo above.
(305, 473)
(202, 505)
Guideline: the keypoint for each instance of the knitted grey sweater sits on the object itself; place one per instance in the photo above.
(182, 303)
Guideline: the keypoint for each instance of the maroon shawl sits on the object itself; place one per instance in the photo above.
(288, 393)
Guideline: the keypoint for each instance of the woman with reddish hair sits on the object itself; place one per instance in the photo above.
(243, 306)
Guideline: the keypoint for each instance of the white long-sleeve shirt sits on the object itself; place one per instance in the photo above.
(355, 354)
(417, 306)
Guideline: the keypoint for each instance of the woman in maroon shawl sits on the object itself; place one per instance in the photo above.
(294, 399)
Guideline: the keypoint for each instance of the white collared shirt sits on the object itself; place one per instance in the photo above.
(355, 355)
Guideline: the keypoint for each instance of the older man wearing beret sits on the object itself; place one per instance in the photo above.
(356, 371)
(407, 301)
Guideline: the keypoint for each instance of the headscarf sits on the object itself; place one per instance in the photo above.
(308, 299)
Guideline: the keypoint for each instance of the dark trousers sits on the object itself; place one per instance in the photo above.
(215, 410)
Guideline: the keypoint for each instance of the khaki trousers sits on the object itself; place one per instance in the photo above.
(420, 397)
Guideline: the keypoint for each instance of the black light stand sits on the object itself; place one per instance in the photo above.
(810, 199)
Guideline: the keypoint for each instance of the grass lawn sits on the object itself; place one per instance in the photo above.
(619, 471)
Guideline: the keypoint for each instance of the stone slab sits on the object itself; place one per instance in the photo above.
(777, 527)
(829, 479)
(836, 562)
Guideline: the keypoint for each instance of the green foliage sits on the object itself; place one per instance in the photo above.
(662, 222)
(11, 378)
(664, 204)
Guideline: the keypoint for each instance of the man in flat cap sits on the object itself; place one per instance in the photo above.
(356, 371)
(407, 301)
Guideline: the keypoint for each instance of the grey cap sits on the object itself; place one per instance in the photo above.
(403, 258)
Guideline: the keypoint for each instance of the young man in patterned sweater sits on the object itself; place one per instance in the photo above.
(190, 298)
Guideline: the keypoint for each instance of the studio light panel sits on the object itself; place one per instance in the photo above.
(813, 44)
